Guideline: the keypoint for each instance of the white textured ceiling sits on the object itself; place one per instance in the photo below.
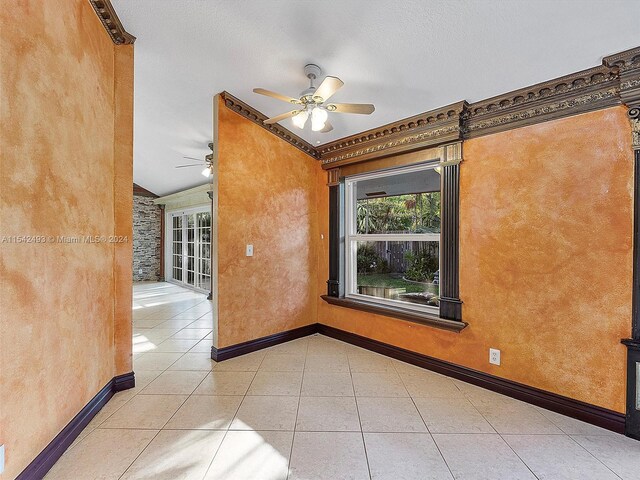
(406, 57)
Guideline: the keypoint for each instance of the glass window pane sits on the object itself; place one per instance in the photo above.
(402, 203)
(405, 271)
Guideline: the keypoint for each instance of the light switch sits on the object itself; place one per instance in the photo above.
(249, 250)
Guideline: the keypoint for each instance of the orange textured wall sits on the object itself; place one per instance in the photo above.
(545, 260)
(66, 171)
(267, 198)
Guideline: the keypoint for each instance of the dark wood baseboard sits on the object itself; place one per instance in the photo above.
(225, 353)
(586, 412)
(52, 452)
(124, 382)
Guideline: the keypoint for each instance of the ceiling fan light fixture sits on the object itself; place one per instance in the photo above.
(318, 119)
(300, 119)
(206, 172)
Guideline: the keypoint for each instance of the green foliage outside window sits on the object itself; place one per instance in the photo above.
(422, 265)
(369, 261)
(414, 213)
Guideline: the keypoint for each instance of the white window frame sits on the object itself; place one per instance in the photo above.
(352, 238)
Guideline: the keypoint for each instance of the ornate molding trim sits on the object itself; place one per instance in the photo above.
(624, 61)
(451, 154)
(109, 18)
(628, 65)
(634, 118)
(258, 118)
(580, 92)
(616, 81)
(333, 177)
(420, 131)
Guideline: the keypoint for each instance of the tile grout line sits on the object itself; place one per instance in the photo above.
(295, 423)
(586, 450)
(183, 403)
(230, 423)
(355, 399)
(141, 393)
(425, 423)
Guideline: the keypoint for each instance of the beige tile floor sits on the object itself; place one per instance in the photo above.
(316, 408)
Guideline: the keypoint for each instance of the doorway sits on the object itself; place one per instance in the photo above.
(190, 248)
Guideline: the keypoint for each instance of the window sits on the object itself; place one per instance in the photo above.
(392, 237)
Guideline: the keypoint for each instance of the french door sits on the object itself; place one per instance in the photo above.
(190, 251)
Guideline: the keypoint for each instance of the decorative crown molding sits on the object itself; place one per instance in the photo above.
(628, 65)
(109, 18)
(420, 131)
(615, 82)
(258, 118)
(627, 60)
(579, 92)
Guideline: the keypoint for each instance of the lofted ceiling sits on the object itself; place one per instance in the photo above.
(406, 57)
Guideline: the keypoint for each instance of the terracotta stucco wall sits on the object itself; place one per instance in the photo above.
(267, 198)
(545, 260)
(65, 142)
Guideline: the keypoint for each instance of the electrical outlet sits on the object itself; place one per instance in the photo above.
(1, 458)
(494, 356)
(249, 250)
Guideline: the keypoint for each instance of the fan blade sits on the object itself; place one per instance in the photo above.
(327, 127)
(328, 87)
(279, 96)
(361, 108)
(281, 117)
(190, 165)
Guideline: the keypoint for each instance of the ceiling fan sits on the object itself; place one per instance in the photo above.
(313, 102)
(208, 163)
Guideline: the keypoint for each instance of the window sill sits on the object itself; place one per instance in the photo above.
(397, 312)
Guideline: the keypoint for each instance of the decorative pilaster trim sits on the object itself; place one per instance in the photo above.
(634, 118)
(333, 177)
(420, 131)
(335, 283)
(450, 303)
(632, 424)
(250, 113)
(109, 18)
(451, 154)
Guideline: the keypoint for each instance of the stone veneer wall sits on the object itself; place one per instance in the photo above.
(146, 239)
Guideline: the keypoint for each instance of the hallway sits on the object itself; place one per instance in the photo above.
(316, 408)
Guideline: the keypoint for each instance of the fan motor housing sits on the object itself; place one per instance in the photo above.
(312, 71)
